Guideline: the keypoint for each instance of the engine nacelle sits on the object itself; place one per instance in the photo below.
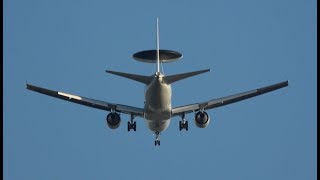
(202, 119)
(113, 120)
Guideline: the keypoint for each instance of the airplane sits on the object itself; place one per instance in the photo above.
(157, 110)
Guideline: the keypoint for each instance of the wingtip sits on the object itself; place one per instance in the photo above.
(284, 83)
(109, 71)
(28, 86)
(207, 70)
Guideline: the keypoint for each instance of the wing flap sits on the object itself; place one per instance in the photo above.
(185, 109)
(102, 105)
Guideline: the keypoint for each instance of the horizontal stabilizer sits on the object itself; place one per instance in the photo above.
(173, 78)
(135, 77)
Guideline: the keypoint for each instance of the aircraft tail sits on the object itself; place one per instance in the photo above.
(174, 78)
(154, 57)
(135, 77)
(158, 50)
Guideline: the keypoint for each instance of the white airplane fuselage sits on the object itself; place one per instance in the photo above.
(158, 104)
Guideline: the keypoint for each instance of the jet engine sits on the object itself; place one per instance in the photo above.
(201, 119)
(113, 120)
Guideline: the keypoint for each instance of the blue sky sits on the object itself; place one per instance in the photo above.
(67, 45)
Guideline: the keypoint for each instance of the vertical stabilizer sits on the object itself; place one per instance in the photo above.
(158, 49)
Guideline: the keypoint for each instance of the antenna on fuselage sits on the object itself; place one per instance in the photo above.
(158, 49)
(156, 55)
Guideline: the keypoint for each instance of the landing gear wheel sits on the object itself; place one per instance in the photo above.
(183, 125)
(157, 142)
(135, 126)
(186, 126)
(132, 126)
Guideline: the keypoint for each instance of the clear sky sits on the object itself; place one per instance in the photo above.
(67, 45)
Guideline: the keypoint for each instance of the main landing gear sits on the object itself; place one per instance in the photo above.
(183, 124)
(132, 124)
(157, 141)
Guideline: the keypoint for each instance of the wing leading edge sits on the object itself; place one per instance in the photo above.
(214, 103)
(102, 105)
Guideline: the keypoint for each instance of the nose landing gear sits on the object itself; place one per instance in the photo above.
(157, 141)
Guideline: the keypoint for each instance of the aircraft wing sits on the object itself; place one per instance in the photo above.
(214, 103)
(88, 102)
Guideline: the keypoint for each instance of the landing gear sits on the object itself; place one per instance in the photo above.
(157, 141)
(183, 124)
(132, 124)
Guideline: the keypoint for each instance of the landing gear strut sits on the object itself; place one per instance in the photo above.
(132, 124)
(183, 124)
(157, 141)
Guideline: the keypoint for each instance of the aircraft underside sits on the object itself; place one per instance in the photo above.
(158, 125)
